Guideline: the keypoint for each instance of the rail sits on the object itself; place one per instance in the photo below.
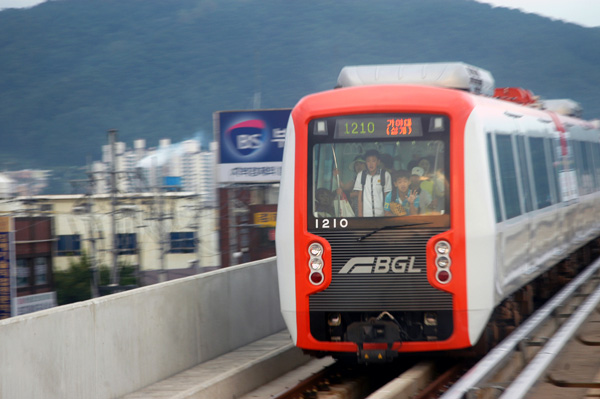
(476, 377)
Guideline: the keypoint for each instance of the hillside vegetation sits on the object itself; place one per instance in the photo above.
(72, 69)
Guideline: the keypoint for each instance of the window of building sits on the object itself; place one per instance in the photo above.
(68, 245)
(127, 243)
(182, 242)
(22, 273)
(41, 271)
(46, 207)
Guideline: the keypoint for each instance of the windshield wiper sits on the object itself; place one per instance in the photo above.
(395, 226)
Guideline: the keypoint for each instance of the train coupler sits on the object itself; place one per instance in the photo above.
(378, 332)
(376, 355)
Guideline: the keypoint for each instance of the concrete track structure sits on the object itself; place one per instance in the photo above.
(114, 345)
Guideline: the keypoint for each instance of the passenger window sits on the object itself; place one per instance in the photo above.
(540, 171)
(595, 148)
(555, 157)
(586, 182)
(508, 176)
(525, 185)
(493, 178)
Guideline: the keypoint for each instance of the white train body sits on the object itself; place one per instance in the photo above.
(522, 189)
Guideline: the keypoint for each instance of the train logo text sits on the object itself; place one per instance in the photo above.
(382, 264)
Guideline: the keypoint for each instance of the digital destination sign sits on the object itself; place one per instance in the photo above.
(378, 126)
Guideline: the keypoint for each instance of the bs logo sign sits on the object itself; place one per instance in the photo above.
(247, 137)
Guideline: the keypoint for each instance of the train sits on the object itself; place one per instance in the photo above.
(502, 187)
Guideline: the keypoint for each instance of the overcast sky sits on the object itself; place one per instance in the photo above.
(582, 12)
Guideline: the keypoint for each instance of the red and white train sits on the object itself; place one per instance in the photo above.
(508, 188)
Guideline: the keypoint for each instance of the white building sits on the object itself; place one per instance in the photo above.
(7, 187)
(182, 166)
(23, 182)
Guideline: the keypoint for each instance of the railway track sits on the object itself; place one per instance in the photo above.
(514, 367)
(511, 370)
(411, 378)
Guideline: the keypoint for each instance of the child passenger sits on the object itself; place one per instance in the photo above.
(373, 185)
(402, 200)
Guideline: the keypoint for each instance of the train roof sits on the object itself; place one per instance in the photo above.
(454, 75)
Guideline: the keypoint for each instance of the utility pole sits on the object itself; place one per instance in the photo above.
(87, 209)
(233, 241)
(162, 239)
(93, 258)
(160, 217)
(198, 229)
(114, 278)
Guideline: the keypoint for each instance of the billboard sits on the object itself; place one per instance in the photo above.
(250, 145)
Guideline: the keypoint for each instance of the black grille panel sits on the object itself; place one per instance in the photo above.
(371, 291)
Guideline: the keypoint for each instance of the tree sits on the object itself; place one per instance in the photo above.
(74, 284)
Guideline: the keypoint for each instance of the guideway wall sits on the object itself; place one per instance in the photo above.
(113, 345)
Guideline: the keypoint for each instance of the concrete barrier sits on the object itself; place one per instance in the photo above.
(110, 346)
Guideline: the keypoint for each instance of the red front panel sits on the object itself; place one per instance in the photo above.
(457, 106)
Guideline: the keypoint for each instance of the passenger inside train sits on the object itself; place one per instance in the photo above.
(338, 168)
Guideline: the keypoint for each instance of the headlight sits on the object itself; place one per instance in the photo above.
(442, 247)
(315, 263)
(442, 262)
(315, 249)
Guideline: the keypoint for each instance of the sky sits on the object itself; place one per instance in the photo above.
(582, 12)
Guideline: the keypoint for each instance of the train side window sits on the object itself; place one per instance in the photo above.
(555, 186)
(493, 179)
(524, 169)
(587, 176)
(592, 171)
(578, 157)
(540, 172)
(508, 176)
(595, 148)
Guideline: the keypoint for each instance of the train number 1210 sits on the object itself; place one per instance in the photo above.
(331, 223)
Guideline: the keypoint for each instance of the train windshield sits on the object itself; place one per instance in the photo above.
(378, 170)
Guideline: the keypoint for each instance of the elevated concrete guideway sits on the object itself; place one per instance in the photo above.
(114, 345)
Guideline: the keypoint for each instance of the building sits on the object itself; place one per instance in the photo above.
(165, 234)
(142, 169)
(34, 281)
(7, 186)
(23, 182)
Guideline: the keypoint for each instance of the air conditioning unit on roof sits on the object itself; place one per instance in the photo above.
(564, 106)
(453, 75)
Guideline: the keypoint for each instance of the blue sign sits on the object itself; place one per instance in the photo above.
(251, 144)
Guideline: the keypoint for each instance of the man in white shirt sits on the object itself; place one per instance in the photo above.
(374, 185)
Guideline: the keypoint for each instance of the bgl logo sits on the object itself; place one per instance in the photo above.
(382, 264)
(247, 136)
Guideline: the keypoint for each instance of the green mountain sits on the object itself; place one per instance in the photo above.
(70, 70)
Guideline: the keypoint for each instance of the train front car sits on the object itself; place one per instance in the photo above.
(371, 219)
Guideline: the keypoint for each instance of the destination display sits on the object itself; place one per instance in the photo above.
(378, 126)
